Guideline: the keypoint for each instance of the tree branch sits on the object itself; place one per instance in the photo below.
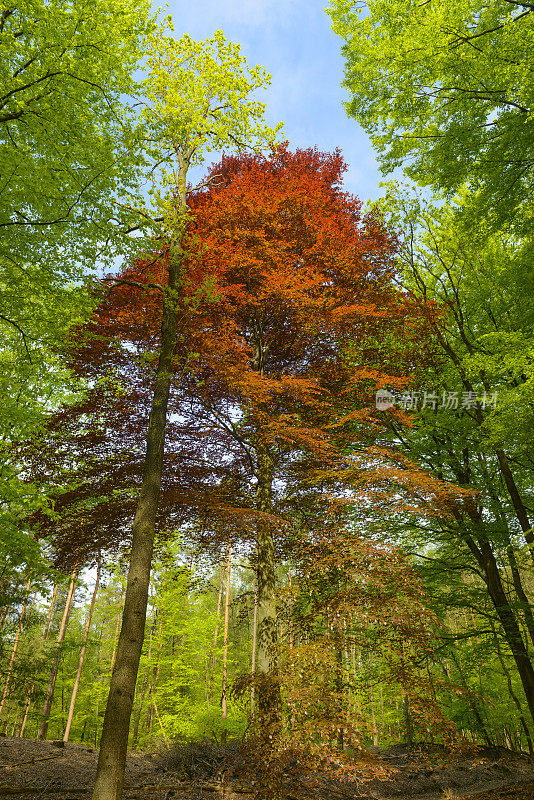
(15, 325)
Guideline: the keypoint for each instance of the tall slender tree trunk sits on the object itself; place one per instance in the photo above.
(254, 629)
(116, 634)
(512, 693)
(373, 713)
(470, 699)
(266, 656)
(356, 711)
(114, 740)
(49, 696)
(339, 687)
(24, 716)
(137, 719)
(210, 667)
(292, 642)
(510, 552)
(82, 656)
(382, 712)
(486, 559)
(153, 709)
(14, 649)
(504, 465)
(224, 709)
(517, 502)
(290, 622)
(520, 591)
(50, 612)
(408, 724)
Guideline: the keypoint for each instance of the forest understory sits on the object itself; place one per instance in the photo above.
(53, 770)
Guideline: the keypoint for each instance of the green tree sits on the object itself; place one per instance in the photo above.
(66, 154)
(446, 89)
(65, 135)
(474, 426)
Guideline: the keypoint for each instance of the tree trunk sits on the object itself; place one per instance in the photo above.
(356, 672)
(470, 699)
(290, 622)
(49, 696)
(254, 642)
(50, 612)
(210, 667)
(408, 724)
(114, 740)
(116, 634)
(339, 687)
(82, 657)
(490, 571)
(520, 591)
(512, 693)
(501, 516)
(266, 656)
(153, 709)
(519, 508)
(14, 649)
(224, 710)
(24, 716)
(373, 714)
(504, 466)
(137, 720)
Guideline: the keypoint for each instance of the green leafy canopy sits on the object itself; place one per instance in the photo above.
(446, 89)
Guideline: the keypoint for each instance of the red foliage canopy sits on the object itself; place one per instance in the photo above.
(287, 302)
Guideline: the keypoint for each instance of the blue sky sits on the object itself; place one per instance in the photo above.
(293, 40)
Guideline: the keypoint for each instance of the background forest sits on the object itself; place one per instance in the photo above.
(266, 453)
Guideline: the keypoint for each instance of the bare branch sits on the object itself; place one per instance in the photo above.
(24, 338)
(136, 284)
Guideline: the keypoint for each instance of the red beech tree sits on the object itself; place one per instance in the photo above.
(298, 272)
(274, 368)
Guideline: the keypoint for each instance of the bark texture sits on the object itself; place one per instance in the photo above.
(517, 502)
(114, 741)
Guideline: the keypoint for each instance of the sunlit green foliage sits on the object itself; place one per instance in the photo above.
(445, 90)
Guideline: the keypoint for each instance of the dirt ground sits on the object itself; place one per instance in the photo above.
(36, 770)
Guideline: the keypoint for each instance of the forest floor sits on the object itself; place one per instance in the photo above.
(44, 770)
